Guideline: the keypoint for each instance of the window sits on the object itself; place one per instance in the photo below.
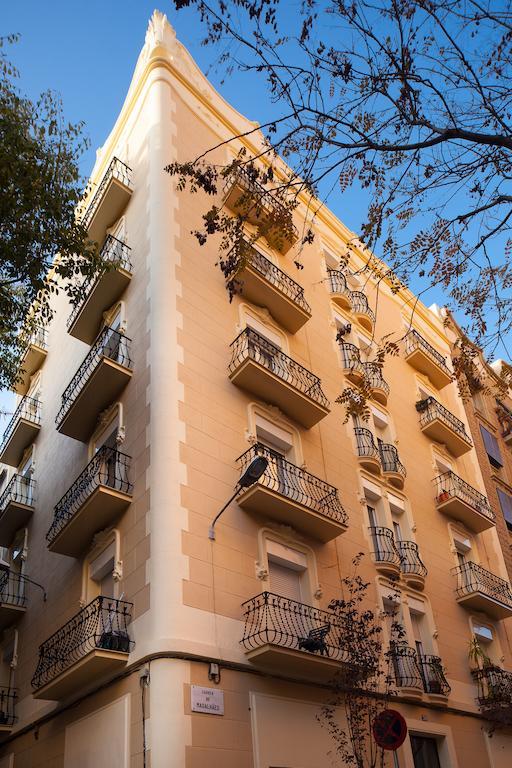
(492, 448)
(506, 507)
(287, 571)
(424, 751)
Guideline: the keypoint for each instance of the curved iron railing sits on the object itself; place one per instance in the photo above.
(276, 277)
(406, 671)
(29, 409)
(390, 461)
(360, 305)
(366, 446)
(276, 620)
(410, 560)
(449, 486)
(110, 344)
(351, 360)
(8, 698)
(432, 672)
(37, 338)
(473, 578)
(295, 483)
(373, 375)
(431, 409)
(384, 547)
(265, 199)
(115, 252)
(116, 170)
(19, 490)
(12, 589)
(250, 344)
(338, 283)
(103, 624)
(108, 467)
(494, 689)
(414, 340)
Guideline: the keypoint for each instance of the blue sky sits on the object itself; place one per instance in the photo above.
(87, 53)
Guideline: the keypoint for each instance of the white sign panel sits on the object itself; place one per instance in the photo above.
(207, 700)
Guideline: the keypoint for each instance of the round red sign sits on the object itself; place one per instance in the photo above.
(389, 729)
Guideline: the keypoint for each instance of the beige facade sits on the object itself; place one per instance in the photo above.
(109, 493)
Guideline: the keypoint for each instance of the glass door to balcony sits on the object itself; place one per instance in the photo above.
(424, 752)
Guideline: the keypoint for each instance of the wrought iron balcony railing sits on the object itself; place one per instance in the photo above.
(8, 698)
(28, 409)
(415, 340)
(250, 344)
(473, 578)
(102, 625)
(494, 691)
(432, 673)
(295, 483)
(390, 461)
(411, 563)
(116, 170)
(110, 344)
(108, 467)
(19, 490)
(360, 305)
(405, 667)
(279, 279)
(38, 337)
(12, 589)
(276, 620)
(351, 359)
(366, 446)
(384, 547)
(338, 284)
(431, 409)
(265, 199)
(449, 486)
(113, 252)
(373, 375)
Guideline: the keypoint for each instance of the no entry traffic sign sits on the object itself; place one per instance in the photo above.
(389, 729)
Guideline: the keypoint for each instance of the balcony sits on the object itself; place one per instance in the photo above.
(504, 415)
(416, 674)
(378, 386)
(480, 590)
(362, 311)
(340, 292)
(392, 468)
(459, 500)
(261, 368)
(32, 359)
(385, 554)
(8, 717)
(411, 565)
(353, 368)
(91, 645)
(292, 496)
(102, 291)
(13, 600)
(440, 425)
(494, 693)
(101, 378)
(427, 360)
(107, 203)
(21, 431)
(284, 636)
(245, 196)
(367, 450)
(264, 284)
(16, 507)
(95, 500)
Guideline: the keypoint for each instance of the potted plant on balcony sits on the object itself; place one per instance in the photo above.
(443, 496)
(114, 639)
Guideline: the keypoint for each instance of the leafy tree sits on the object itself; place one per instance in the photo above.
(44, 248)
(409, 99)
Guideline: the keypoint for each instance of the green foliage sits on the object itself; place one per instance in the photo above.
(43, 247)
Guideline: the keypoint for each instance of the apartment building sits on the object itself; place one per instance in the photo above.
(150, 641)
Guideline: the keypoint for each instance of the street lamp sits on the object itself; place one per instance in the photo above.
(251, 475)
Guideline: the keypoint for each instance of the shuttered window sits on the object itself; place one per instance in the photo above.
(492, 448)
(506, 506)
(284, 581)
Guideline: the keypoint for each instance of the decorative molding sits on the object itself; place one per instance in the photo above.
(318, 593)
(261, 571)
(121, 435)
(250, 437)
